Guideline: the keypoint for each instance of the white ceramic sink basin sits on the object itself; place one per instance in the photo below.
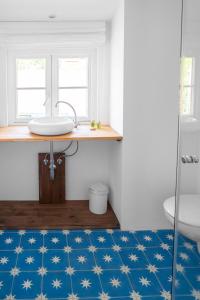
(51, 126)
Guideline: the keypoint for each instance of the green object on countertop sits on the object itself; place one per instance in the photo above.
(93, 124)
(99, 125)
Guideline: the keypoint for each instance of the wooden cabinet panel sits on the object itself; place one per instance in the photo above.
(51, 191)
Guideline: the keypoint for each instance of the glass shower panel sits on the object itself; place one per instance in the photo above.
(186, 279)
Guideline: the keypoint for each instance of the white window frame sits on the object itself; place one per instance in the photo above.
(51, 78)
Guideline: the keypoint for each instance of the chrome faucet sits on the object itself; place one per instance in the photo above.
(52, 165)
(75, 115)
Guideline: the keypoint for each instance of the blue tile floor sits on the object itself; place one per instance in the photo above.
(98, 264)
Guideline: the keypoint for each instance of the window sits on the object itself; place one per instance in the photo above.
(37, 82)
(187, 86)
(30, 87)
(73, 84)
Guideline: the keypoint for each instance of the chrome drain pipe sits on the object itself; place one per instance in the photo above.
(52, 165)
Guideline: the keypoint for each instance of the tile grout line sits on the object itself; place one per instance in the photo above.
(96, 264)
(195, 253)
(35, 249)
(149, 263)
(88, 270)
(163, 243)
(183, 274)
(42, 279)
(17, 256)
(118, 252)
(69, 263)
(172, 255)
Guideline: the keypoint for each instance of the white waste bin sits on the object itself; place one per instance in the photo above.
(98, 197)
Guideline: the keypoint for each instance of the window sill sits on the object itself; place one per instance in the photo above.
(82, 133)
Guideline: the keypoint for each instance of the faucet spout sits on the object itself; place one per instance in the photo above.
(75, 115)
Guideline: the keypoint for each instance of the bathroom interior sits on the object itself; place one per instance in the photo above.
(99, 149)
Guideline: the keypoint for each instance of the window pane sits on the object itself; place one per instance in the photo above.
(76, 97)
(31, 72)
(73, 72)
(30, 103)
(186, 101)
(186, 70)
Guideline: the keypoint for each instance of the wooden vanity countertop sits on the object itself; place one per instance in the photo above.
(82, 133)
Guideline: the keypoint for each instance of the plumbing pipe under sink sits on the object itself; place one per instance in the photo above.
(52, 165)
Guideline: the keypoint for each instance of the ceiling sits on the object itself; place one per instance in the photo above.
(65, 10)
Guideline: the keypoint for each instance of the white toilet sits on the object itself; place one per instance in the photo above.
(189, 215)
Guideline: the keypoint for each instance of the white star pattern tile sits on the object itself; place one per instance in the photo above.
(96, 265)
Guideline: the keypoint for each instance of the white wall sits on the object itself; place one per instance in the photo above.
(116, 105)
(151, 77)
(19, 169)
(117, 68)
(147, 156)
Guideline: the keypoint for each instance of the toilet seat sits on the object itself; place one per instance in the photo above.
(189, 209)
